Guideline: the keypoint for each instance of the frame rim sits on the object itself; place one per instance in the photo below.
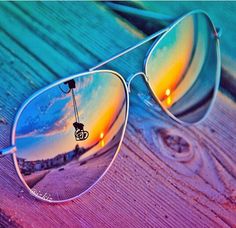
(217, 75)
(42, 90)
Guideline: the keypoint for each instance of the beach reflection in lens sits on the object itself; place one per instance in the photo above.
(54, 163)
(182, 68)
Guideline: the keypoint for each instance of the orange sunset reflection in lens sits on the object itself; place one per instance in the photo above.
(172, 56)
(51, 159)
(182, 68)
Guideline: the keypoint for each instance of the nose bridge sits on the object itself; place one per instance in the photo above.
(132, 76)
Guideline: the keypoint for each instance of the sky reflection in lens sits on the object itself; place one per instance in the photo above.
(182, 68)
(45, 140)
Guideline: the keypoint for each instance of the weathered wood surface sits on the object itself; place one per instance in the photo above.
(149, 184)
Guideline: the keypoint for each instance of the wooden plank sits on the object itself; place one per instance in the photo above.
(149, 184)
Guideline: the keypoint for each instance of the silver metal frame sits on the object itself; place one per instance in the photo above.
(217, 70)
(147, 39)
(12, 149)
(45, 89)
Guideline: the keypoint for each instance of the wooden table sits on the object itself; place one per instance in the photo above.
(151, 184)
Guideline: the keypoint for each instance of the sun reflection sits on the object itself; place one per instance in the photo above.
(102, 143)
(168, 99)
(101, 135)
(167, 92)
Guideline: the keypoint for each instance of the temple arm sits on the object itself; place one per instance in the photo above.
(145, 14)
(7, 150)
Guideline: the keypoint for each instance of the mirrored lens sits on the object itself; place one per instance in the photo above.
(182, 68)
(67, 136)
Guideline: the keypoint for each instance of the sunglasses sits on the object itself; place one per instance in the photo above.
(66, 136)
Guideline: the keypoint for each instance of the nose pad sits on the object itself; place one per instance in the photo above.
(131, 77)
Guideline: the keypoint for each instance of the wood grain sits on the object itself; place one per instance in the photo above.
(164, 175)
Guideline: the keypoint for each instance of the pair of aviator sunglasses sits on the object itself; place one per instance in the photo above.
(66, 136)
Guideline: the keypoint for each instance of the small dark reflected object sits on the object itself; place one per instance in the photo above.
(71, 84)
(61, 169)
(80, 133)
(83, 163)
